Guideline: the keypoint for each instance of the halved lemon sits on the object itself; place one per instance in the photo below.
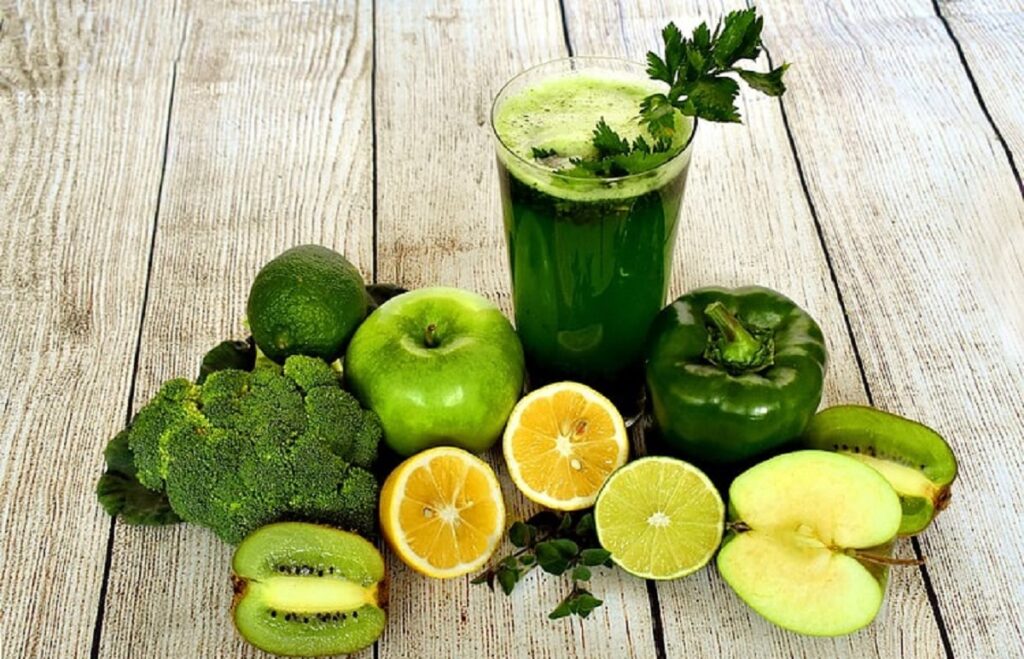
(561, 444)
(661, 518)
(442, 512)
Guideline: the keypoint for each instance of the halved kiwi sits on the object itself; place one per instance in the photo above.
(915, 459)
(306, 590)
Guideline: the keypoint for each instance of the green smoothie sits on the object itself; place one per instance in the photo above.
(590, 257)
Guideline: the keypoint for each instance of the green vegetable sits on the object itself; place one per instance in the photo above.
(697, 71)
(228, 354)
(244, 449)
(557, 543)
(121, 494)
(733, 373)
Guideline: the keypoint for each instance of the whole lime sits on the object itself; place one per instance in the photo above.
(307, 301)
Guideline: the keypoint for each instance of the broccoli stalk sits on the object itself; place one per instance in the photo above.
(244, 449)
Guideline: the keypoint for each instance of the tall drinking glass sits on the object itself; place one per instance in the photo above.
(590, 257)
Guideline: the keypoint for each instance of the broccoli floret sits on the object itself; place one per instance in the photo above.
(245, 449)
(310, 372)
(174, 406)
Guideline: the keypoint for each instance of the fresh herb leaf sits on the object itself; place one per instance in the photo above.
(521, 534)
(561, 611)
(556, 556)
(585, 526)
(541, 153)
(715, 99)
(767, 83)
(697, 71)
(579, 602)
(486, 577)
(508, 579)
(607, 141)
(740, 38)
(585, 603)
(595, 556)
(658, 116)
(558, 544)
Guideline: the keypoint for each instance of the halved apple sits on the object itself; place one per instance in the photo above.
(807, 532)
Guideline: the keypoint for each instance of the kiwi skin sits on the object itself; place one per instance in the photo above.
(308, 590)
(915, 459)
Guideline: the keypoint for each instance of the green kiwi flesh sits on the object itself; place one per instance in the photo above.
(915, 459)
(306, 590)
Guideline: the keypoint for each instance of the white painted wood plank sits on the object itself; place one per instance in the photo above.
(440, 64)
(924, 220)
(991, 34)
(746, 220)
(83, 102)
(270, 146)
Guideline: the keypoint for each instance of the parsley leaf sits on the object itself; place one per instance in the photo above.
(607, 141)
(697, 71)
(715, 99)
(767, 83)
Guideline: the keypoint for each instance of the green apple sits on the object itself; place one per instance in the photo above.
(810, 535)
(439, 366)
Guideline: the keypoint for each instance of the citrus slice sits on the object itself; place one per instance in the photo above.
(660, 518)
(561, 444)
(442, 512)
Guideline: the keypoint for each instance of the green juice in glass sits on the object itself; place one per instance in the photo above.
(590, 257)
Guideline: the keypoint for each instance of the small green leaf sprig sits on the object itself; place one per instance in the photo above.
(698, 71)
(557, 544)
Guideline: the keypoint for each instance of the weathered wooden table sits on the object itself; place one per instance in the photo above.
(154, 154)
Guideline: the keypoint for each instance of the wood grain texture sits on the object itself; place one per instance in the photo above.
(270, 146)
(439, 65)
(83, 101)
(923, 219)
(746, 220)
(991, 34)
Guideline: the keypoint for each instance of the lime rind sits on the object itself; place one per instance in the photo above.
(661, 518)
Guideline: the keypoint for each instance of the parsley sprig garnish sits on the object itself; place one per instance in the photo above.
(699, 73)
(557, 544)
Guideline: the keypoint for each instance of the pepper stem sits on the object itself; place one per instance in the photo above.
(734, 346)
(430, 336)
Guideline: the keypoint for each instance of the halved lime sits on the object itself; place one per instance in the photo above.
(660, 518)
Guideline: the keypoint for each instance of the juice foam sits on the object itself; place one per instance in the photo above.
(560, 112)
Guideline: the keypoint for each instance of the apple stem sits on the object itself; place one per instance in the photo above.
(430, 336)
(878, 559)
(738, 527)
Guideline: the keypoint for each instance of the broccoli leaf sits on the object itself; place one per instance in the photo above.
(381, 293)
(239, 355)
(122, 495)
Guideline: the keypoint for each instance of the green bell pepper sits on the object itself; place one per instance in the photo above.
(733, 373)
